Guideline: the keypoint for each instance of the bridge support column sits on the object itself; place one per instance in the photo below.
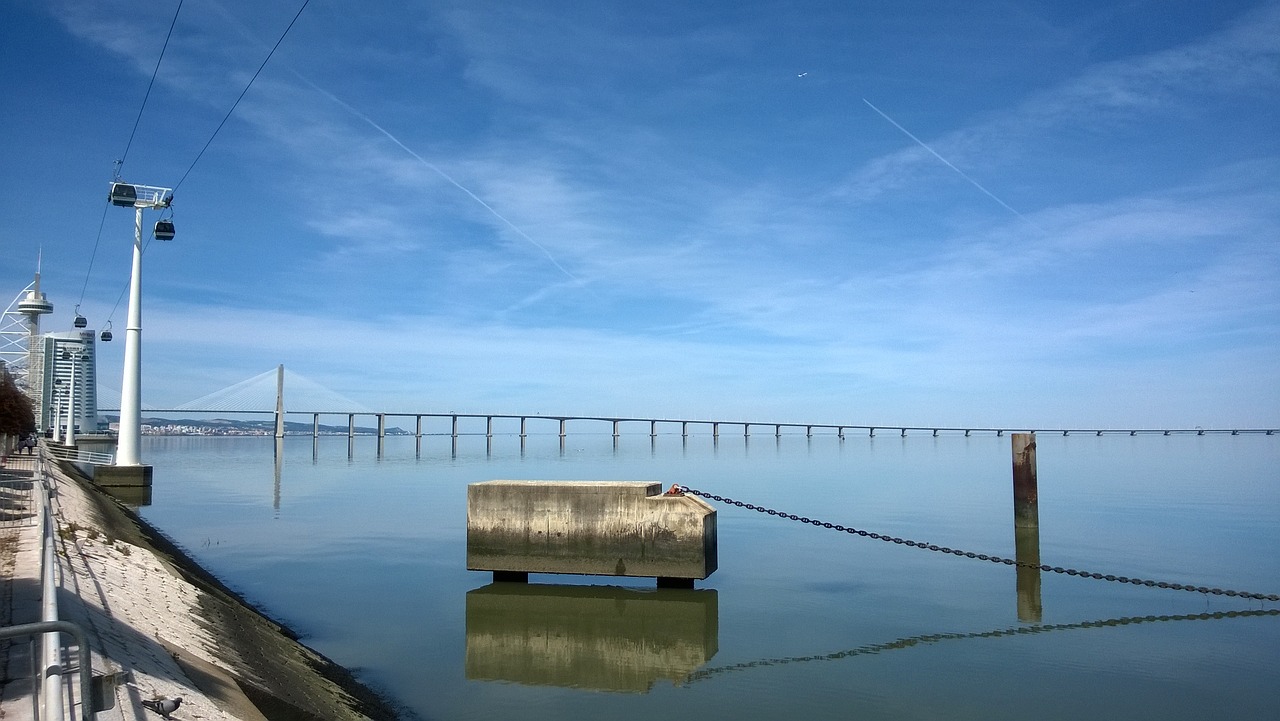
(746, 430)
(653, 429)
(562, 421)
(279, 400)
(417, 427)
(488, 427)
(351, 426)
(455, 429)
(840, 432)
(522, 420)
(315, 425)
(684, 429)
(615, 429)
(382, 425)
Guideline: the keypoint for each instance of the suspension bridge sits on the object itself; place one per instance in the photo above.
(282, 393)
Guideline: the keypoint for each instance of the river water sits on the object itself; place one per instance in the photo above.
(362, 551)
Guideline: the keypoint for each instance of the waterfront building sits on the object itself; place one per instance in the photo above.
(64, 358)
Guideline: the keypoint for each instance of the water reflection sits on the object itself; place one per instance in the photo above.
(1027, 549)
(597, 637)
(925, 639)
(133, 496)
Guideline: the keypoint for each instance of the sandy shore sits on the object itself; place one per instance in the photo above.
(158, 620)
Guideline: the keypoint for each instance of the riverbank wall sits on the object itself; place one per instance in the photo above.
(158, 621)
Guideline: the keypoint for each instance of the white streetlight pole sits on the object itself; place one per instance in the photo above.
(130, 435)
(57, 411)
(71, 401)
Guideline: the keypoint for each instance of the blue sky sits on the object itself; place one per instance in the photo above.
(1018, 213)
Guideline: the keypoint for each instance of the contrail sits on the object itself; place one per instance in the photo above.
(442, 174)
(235, 22)
(946, 162)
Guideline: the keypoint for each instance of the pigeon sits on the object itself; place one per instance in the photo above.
(165, 706)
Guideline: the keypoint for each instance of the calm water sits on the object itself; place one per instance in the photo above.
(364, 555)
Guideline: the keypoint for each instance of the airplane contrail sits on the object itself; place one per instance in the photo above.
(442, 174)
(948, 163)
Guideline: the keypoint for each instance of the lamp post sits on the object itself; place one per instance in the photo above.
(56, 416)
(74, 358)
(138, 197)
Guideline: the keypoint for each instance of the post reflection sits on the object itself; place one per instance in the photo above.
(1027, 550)
(605, 638)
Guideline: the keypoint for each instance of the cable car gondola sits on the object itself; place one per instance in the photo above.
(123, 195)
(164, 230)
(80, 321)
(106, 333)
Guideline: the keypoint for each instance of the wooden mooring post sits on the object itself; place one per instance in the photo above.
(1026, 507)
(1026, 526)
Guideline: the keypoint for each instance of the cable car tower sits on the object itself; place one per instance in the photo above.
(19, 331)
(140, 198)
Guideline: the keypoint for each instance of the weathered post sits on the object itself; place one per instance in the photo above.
(1026, 507)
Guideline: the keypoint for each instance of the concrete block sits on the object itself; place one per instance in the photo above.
(138, 476)
(607, 528)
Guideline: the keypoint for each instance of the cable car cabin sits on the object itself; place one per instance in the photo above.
(80, 321)
(106, 336)
(164, 230)
(123, 195)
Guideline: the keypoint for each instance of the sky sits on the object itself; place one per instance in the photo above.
(1036, 214)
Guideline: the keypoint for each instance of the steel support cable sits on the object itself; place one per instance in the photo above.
(242, 94)
(120, 163)
(981, 556)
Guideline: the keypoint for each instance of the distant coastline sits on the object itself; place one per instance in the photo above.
(232, 427)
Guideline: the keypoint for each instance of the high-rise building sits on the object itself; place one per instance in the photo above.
(69, 361)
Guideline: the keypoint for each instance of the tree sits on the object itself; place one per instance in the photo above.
(17, 418)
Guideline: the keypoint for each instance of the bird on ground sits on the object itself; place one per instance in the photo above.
(164, 706)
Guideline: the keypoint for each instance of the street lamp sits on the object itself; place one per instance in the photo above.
(74, 358)
(55, 417)
(138, 197)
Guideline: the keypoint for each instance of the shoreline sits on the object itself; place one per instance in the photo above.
(156, 616)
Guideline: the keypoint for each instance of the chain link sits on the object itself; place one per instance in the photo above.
(982, 556)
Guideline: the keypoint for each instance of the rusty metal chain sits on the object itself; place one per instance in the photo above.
(982, 556)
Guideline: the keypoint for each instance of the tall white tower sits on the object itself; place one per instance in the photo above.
(20, 347)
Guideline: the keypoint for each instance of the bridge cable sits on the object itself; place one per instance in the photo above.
(676, 489)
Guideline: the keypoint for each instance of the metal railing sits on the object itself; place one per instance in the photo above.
(63, 453)
(50, 628)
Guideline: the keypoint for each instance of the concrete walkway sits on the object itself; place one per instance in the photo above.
(141, 618)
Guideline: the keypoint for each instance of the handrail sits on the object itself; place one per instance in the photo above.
(50, 627)
(63, 453)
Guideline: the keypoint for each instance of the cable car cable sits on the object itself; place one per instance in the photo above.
(154, 73)
(120, 163)
(242, 94)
